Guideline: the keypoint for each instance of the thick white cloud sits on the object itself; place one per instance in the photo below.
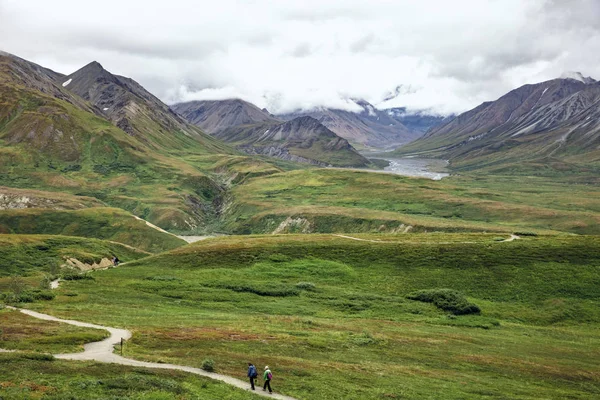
(448, 56)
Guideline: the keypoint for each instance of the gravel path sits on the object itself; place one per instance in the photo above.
(103, 352)
(510, 239)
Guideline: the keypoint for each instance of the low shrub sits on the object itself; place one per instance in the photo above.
(208, 365)
(263, 290)
(305, 286)
(28, 296)
(166, 278)
(38, 356)
(447, 300)
(73, 275)
(526, 234)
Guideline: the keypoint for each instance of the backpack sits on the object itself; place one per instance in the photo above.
(270, 376)
(253, 373)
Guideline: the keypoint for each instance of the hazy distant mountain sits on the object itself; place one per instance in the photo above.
(418, 121)
(559, 118)
(302, 139)
(213, 116)
(370, 127)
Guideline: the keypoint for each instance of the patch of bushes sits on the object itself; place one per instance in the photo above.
(306, 286)
(208, 365)
(27, 296)
(71, 168)
(525, 233)
(278, 257)
(38, 356)
(266, 290)
(73, 275)
(447, 300)
(166, 278)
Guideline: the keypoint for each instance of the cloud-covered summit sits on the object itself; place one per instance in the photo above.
(297, 55)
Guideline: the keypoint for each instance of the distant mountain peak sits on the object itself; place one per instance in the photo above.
(577, 76)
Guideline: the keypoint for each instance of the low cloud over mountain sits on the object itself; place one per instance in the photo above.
(288, 56)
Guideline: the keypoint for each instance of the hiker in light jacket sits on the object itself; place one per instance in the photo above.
(267, 376)
(252, 374)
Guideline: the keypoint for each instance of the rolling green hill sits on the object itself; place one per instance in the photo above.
(339, 318)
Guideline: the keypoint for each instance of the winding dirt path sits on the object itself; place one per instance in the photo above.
(103, 352)
(510, 239)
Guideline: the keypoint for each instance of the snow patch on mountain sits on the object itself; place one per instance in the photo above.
(65, 84)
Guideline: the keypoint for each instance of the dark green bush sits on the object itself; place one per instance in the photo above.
(166, 278)
(72, 275)
(305, 285)
(526, 234)
(263, 290)
(38, 356)
(447, 300)
(208, 365)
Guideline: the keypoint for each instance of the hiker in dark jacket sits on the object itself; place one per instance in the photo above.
(252, 374)
(267, 376)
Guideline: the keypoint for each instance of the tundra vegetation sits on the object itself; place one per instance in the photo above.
(379, 318)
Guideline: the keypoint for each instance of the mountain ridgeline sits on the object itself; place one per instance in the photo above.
(554, 123)
(369, 127)
(214, 116)
(302, 139)
(255, 131)
(95, 134)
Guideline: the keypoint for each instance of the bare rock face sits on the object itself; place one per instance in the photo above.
(81, 266)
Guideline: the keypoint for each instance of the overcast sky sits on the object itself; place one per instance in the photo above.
(445, 56)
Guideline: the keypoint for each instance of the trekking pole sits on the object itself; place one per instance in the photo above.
(121, 346)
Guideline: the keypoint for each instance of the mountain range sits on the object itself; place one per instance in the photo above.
(367, 128)
(556, 121)
(302, 139)
(255, 131)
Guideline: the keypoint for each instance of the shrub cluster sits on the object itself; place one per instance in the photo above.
(266, 290)
(208, 365)
(27, 296)
(526, 234)
(447, 300)
(73, 275)
(305, 286)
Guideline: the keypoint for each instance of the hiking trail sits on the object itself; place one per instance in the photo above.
(102, 351)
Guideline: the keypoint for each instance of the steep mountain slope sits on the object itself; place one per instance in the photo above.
(557, 120)
(302, 139)
(370, 127)
(136, 111)
(52, 139)
(214, 116)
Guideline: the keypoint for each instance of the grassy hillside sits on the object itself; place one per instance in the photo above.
(49, 144)
(334, 319)
(100, 223)
(25, 333)
(34, 255)
(324, 200)
(26, 376)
